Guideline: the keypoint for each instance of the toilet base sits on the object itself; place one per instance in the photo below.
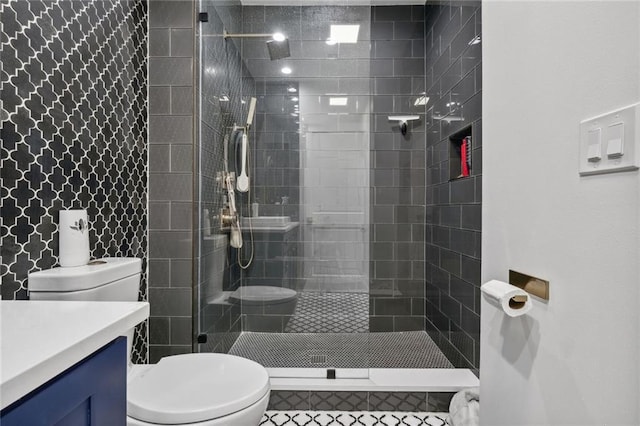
(250, 416)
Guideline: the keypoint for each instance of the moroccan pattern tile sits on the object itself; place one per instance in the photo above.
(74, 120)
(351, 418)
(318, 312)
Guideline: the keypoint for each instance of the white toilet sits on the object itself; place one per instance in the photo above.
(191, 389)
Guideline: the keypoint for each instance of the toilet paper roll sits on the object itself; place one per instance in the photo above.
(513, 300)
(74, 238)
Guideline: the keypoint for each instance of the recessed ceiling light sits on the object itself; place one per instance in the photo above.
(224, 98)
(294, 99)
(344, 33)
(421, 100)
(286, 70)
(278, 37)
(338, 101)
(331, 42)
(292, 90)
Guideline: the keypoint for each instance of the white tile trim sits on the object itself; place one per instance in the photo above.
(380, 379)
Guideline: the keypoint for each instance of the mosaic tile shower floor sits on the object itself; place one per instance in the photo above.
(318, 312)
(411, 349)
(351, 418)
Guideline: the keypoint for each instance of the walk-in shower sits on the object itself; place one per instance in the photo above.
(339, 210)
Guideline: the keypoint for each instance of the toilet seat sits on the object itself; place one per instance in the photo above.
(194, 388)
(258, 295)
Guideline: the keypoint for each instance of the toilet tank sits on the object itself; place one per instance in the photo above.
(115, 279)
(111, 279)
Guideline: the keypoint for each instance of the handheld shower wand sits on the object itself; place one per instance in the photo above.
(236, 235)
(243, 178)
(252, 112)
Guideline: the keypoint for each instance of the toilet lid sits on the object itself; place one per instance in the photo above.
(259, 294)
(195, 387)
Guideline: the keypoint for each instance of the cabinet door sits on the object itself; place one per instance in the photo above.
(92, 392)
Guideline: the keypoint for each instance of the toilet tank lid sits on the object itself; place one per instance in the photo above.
(196, 387)
(97, 273)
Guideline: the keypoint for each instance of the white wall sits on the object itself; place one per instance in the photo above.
(548, 65)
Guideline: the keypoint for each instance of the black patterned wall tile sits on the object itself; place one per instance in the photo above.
(438, 402)
(74, 131)
(289, 400)
(397, 401)
(343, 401)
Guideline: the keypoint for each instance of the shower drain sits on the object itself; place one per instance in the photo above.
(318, 359)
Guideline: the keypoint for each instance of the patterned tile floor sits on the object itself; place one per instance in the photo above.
(318, 312)
(411, 349)
(351, 418)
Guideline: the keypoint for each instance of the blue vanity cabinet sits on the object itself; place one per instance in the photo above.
(92, 392)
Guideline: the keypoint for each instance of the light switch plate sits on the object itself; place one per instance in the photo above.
(621, 127)
(594, 145)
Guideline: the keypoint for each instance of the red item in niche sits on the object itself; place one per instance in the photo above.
(463, 158)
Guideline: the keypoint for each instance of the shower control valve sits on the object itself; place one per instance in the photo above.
(226, 218)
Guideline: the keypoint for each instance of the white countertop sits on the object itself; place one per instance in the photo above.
(41, 339)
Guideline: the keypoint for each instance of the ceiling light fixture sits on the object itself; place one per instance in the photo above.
(421, 100)
(292, 90)
(286, 70)
(344, 33)
(338, 101)
(278, 37)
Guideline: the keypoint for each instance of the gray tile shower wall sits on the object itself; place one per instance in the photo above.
(277, 148)
(171, 168)
(74, 133)
(397, 169)
(454, 87)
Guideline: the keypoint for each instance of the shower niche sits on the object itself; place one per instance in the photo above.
(460, 148)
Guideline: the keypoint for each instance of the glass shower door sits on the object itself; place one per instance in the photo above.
(309, 187)
(311, 167)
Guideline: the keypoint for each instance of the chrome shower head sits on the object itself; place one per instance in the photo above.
(278, 49)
